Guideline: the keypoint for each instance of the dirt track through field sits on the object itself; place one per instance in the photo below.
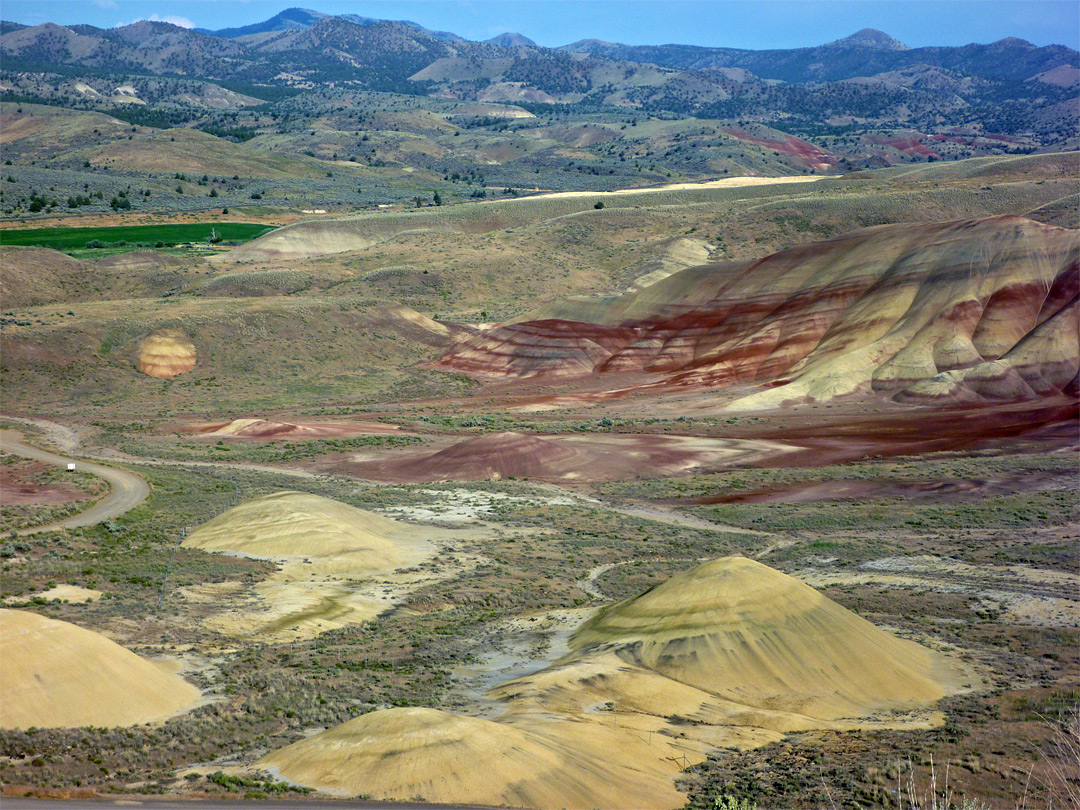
(128, 490)
(724, 182)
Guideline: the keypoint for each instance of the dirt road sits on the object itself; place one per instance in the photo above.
(724, 182)
(128, 490)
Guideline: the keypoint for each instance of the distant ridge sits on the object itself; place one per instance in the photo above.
(865, 53)
(871, 38)
(511, 40)
(291, 19)
(301, 19)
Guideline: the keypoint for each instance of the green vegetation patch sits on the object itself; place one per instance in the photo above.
(66, 239)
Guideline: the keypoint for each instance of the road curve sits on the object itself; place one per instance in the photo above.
(128, 489)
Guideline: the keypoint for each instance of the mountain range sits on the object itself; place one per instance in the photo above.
(1006, 87)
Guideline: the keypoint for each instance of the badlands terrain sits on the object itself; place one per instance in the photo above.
(758, 491)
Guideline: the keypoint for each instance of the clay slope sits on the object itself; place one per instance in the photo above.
(413, 752)
(496, 455)
(56, 674)
(881, 309)
(585, 457)
(270, 429)
(730, 653)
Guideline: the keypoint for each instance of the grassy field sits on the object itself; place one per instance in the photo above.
(66, 239)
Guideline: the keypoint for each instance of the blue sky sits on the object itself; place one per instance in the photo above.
(722, 23)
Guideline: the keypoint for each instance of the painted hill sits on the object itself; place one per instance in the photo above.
(56, 674)
(585, 457)
(879, 310)
(166, 354)
(271, 429)
(728, 653)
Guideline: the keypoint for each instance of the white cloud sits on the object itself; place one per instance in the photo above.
(109, 4)
(183, 22)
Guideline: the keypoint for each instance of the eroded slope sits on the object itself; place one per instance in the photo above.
(882, 309)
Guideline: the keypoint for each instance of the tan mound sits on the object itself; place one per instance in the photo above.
(262, 429)
(327, 552)
(496, 455)
(296, 524)
(69, 593)
(55, 674)
(409, 753)
(750, 634)
(166, 354)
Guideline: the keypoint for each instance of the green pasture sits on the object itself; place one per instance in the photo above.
(67, 239)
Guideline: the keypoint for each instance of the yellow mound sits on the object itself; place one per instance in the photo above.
(327, 551)
(296, 524)
(166, 354)
(55, 674)
(406, 753)
(744, 632)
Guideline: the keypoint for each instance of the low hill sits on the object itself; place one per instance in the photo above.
(56, 674)
(166, 354)
(35, 276)
(326, 552)
(188, 150)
